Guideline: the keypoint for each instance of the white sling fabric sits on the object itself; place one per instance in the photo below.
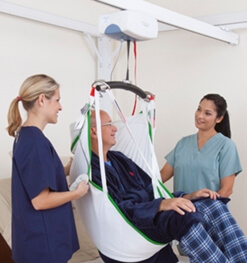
(108, 228)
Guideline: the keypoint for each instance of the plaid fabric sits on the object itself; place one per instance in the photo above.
(199, 246)
(219, 240)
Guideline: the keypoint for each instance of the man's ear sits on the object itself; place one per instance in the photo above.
(93, 132)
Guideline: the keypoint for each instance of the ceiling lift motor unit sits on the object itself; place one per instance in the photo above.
(128, 25)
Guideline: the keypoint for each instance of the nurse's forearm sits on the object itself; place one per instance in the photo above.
(48, 199)
(227, 186)
(166, 172)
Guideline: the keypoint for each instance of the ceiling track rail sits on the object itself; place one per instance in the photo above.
(177, 20)
(235, 20)
(51, 19)
(102, 48)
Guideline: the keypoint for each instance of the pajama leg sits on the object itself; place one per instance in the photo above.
(199, 246)
(224, 230)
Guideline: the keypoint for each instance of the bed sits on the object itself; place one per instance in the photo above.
(87, 253)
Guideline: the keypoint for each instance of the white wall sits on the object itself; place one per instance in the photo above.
(179, 67)
(29, 48)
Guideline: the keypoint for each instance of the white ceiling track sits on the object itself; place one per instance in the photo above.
(40, 16)
(217, 27)
(235, 20)
(103, 51)
(177, 20)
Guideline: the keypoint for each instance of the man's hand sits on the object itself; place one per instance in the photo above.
(182, 204)
(177, 204)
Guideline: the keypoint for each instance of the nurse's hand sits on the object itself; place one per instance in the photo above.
(203, 193)
(178, 204)
(82, 188)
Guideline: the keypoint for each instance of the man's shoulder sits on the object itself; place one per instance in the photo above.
(119, 157)
(117, 154)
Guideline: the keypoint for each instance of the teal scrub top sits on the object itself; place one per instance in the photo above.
(196, 169)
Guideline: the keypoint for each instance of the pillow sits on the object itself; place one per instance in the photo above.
(5, 208)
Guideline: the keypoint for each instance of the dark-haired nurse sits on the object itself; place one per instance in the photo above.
(209, 158)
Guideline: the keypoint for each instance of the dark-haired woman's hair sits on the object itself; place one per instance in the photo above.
(221, 108)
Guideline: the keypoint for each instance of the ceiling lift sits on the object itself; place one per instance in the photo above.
(175, 19)
(168, 20)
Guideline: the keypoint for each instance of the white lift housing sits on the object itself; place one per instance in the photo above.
(128, 25)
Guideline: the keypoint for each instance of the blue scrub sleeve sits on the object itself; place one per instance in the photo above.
(229, 160)
(170, 157)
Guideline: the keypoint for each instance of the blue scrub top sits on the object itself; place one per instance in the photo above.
(39, 235)
(196, 169)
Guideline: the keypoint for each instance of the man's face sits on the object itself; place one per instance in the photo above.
(108, 130)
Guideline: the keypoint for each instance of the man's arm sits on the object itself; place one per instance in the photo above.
(178, 204)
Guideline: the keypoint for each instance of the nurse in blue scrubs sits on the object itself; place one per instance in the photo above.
(209, 158)
(43, 228)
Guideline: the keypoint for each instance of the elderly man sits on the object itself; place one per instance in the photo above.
(200, 221)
